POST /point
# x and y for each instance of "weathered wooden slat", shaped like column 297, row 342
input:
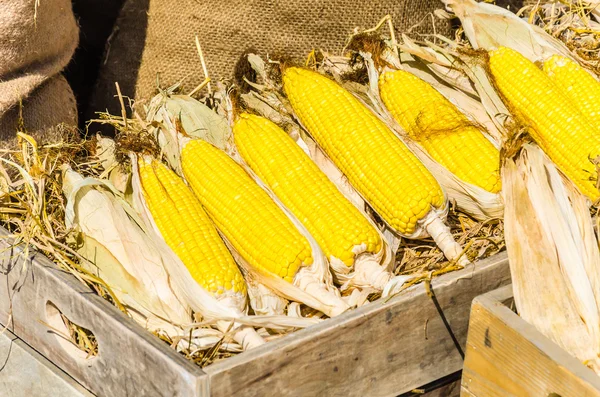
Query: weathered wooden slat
column 131, row 361
column 381, row 349
column 384, row 348
column 506, row 356
column 25, row 372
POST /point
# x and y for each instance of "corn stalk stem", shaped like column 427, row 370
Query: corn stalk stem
column 441, row 234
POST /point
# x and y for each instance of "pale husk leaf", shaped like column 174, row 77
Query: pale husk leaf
column 197, row 119
column 488, row 26
column 121, row 252
column 105, row 152
column 190, row 117
column 553, row 259
column 263, row 300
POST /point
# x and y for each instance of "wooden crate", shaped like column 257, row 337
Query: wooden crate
column 507, row 356
column 26, row 373
column 381, row 349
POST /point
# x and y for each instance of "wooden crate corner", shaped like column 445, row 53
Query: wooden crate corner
column 506, row 356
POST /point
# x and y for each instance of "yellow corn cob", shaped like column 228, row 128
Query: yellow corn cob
column 188, row 230
column 555, row 123
column 382, row 169
column 338, row 227
column 441, row 129
column 252, row 222
column 581, row 88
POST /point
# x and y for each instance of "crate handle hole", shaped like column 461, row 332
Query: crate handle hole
column 80, row 343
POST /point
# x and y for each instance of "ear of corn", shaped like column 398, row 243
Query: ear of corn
column 441, row 129
column 377, row 164
column 384, row 171
column 265, row 240
column 188, row 230
column 577, row 84
column 339, row 228
column 353, row 245
column 212, row 291
column 556, row 124
column 258, row 229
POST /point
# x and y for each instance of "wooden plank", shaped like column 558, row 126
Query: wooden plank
column 131, row 361
column 381, row 349
column 506, row 356
column 24, row 372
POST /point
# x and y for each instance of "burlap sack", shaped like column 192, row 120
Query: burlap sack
column 156, row 37
column 36, row 42
column 49, row 105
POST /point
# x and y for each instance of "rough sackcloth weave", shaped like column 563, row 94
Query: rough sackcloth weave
column 36, row 43
column 155, row 38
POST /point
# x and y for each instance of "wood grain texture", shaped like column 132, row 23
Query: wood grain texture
column 384, row 348
column 131, row 361
column 25, row 372
column 381, row 349
column 506, row 356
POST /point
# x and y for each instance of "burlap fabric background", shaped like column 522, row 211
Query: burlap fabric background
column 157, row 36
column 35, row 46
column 48, row 106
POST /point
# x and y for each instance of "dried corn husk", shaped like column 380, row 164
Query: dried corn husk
column 201, row 339
column 121, row 253
column 574, row 22
column 113, row 172
column 553, row 254
column 263, row 300
column 191, row 117
column 488, row 26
